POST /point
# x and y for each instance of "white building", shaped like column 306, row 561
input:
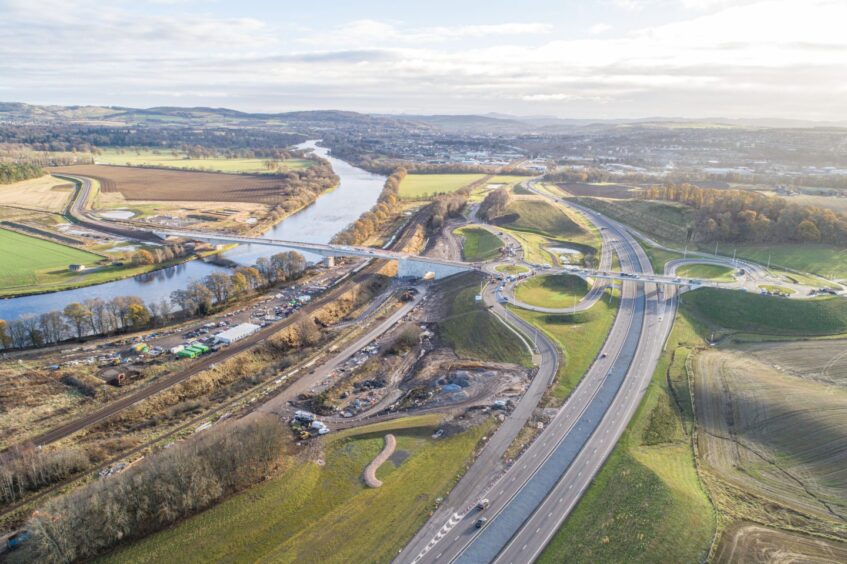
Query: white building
column 236, row 333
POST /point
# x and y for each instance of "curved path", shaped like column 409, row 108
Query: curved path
column 369, row 475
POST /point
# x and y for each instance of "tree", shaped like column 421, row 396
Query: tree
column 220, row 285
column 808, row 232
column 79, row 316
column 5, row 338
column 138, row 315
column 142, row 257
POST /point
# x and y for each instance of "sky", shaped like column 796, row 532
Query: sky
column 564, row 58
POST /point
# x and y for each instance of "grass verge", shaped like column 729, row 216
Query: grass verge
column 646, row 504
column 318, row 509
column 706, row 272
column 580, row 336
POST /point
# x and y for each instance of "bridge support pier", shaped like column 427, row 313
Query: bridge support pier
column 420, row 268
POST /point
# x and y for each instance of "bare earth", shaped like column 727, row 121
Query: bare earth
column 44, row 194
column 754, row 544
column 175, row 185
column 775, row 436
column 370, row 470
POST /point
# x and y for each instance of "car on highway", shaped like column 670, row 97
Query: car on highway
column 483, row 504
column 480, row 523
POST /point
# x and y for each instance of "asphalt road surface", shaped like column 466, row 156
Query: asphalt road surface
column 532, row 498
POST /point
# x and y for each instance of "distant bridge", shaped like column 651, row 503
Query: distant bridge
column 416, row 266
column 408, row 266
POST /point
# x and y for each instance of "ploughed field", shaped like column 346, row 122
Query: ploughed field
column 176, row 185
column 777, row 437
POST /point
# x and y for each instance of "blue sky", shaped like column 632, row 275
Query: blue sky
column 600, row 58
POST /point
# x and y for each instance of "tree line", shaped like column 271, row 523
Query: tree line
column 96, row 316
column 745, row 216
column 15, row 172
column 494, row 204
column 369, row 222
column 167, row 486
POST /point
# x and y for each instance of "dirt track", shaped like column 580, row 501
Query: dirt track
column 370, row 470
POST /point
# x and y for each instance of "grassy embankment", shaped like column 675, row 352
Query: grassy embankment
column 538, row 224
column 473, row 332
column 177, row 159
column 478, row 244
column 553, row 291
column 318, row 509
column 824, row 260
column 580, row 336
column 753, row 313
column 416, row 186
column 659, row 257
column 706, row 272
column 666, row 222
column 646, row 504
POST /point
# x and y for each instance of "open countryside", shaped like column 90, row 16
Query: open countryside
column 443, row 284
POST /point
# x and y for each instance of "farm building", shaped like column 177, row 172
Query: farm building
column 236, row 333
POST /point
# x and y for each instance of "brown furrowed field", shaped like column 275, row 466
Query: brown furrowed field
column 136, row 183
column 821, row 360
column 777, row 444
column 746, row 542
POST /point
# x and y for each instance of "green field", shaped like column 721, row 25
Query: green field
column 646, row 504
column 416, row 186
column 30, row 261
column 580, row 336
column 554, row 290
column 743, row 311
column 478, row 244
column 169, row 159
column 824, row 260
column 706, row 272
column 318, row 509
column 511, row 269
column 473, row 332
column 507, row 181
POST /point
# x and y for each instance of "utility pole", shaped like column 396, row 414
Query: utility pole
column 716, row 248
column 685, row 251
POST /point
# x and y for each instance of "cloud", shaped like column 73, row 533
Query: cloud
column 789, row 54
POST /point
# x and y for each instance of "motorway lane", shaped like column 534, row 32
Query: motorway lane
column 517, row 495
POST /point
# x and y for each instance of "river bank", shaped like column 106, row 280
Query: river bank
column 331, row 212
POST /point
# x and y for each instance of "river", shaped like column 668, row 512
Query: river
column 317, row 223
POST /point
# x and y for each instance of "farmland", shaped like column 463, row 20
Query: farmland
column 47, row 194
column 318, row 510
column 478, row 244
column 821, row 360
column 179, row 160
column 772, row 436
column 416, row 186
column 553, row 291
column 28, row 261
column 176, row 185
